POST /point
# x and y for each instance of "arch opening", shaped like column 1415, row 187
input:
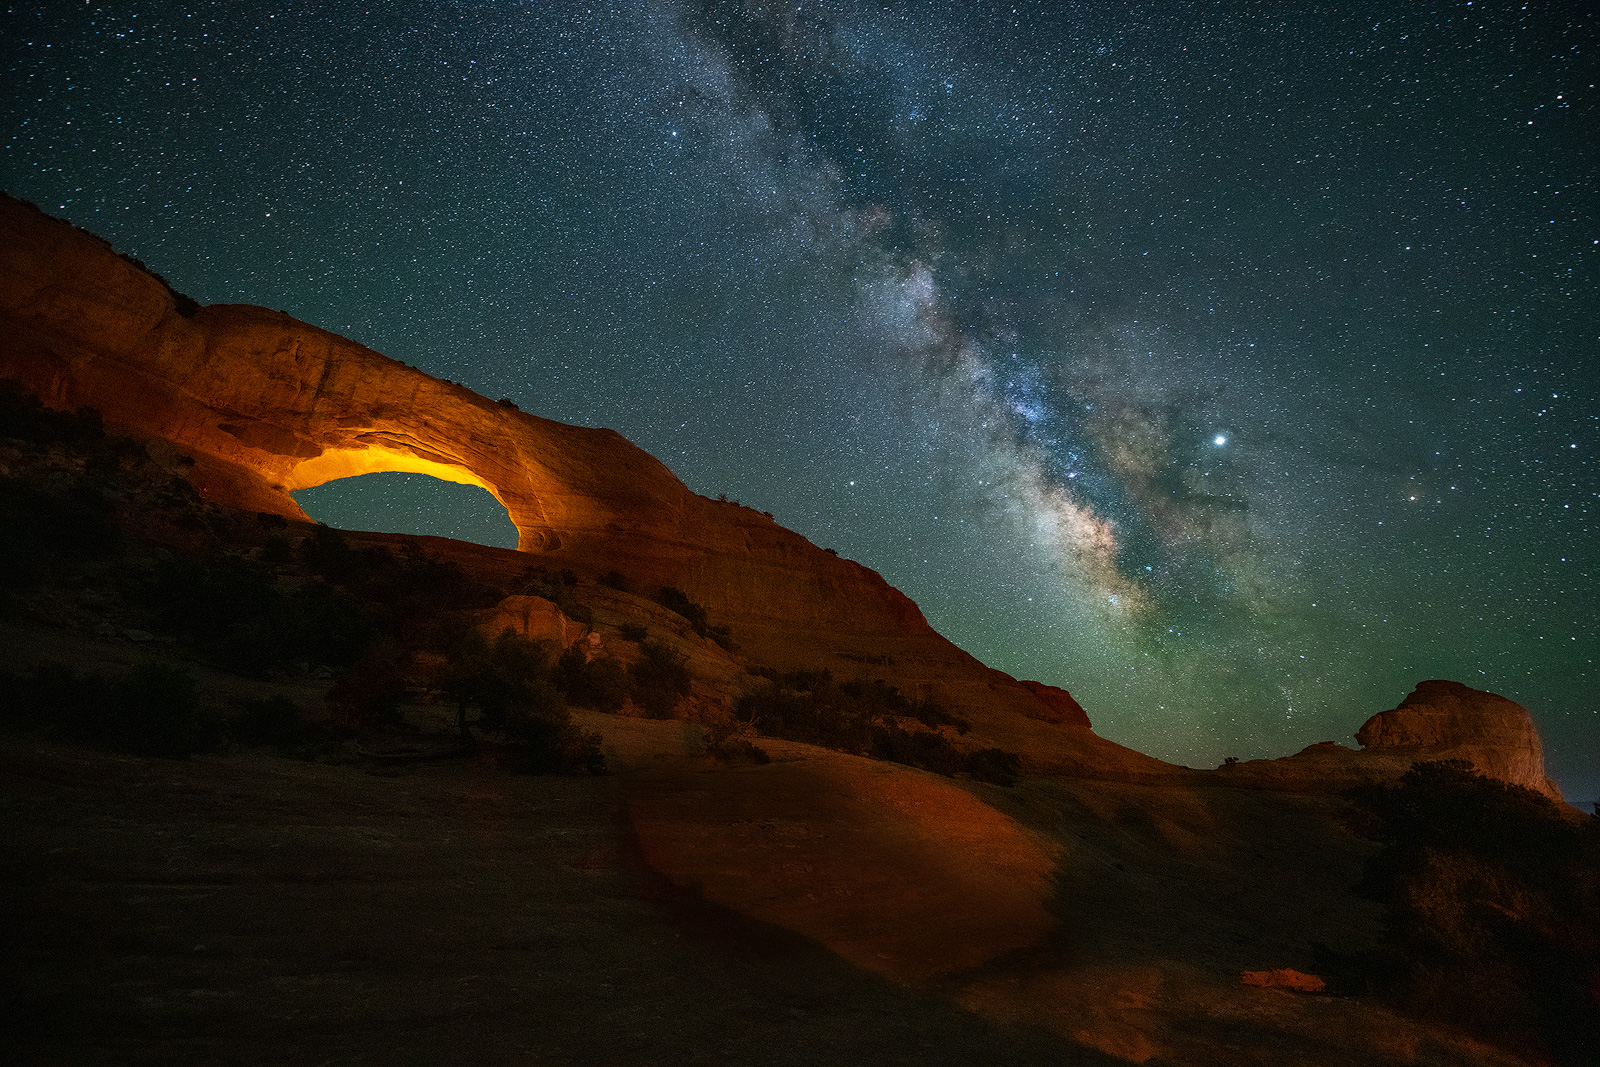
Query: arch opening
column 409, row 502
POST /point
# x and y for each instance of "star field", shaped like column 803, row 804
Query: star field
column 1233, row 365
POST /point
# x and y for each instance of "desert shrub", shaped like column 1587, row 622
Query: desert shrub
column 372, row 688
column 326, row 553
column 1491, row 898
column 278, row 723
column 864, row 718
column 915, row 748
column 736, row 749
column 325, row 626
column 807, row 706
column 677, row 600
column 509, row 682
column 600, row 683
column 632, row 631
column 58, row 700
column 542, row 582
column 20, row 562
column 616, row 580
column 658, row 680
column 69, row 522
column 416, row 585
column 544, row 738
column 994, row 765
column 276, row 550
column 501, row 679
column 161, row 713
column 556, row 587
column 154, row 711
column 23, row 416
column 235, row 614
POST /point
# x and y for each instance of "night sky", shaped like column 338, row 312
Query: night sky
column 1235, row 366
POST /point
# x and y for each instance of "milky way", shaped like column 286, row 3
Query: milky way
column 1231, row 365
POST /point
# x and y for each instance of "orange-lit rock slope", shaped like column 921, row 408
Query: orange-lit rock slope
column 267, row 405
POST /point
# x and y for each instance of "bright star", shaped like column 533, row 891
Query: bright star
column 1219, row 440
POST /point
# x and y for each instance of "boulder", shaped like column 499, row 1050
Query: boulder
column 535, row 618
column 1448, row 720
column 1439, row 720
column 1284, row 978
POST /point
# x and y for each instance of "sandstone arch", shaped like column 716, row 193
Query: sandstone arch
column 266, row 404
column 410, row 502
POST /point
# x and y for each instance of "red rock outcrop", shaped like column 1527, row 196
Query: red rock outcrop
column 268, row 405
column 535, row 618
column 1447, row 720
column 1284, row 978
column 1439, row 720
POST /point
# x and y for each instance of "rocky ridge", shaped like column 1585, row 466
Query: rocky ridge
column 266, row 405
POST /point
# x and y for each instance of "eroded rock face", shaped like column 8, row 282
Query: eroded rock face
column 1439, row 720
column 267, row 405
column 1447, row 720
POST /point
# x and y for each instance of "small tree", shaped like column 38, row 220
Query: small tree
column 371, row 689
column 660, row 679
column 600, row 684
column 677, row 600
column 495, row 678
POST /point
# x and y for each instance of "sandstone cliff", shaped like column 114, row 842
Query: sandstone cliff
column 267, row 405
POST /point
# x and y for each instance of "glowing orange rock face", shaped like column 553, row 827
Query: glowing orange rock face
column 267, row 405
column 271, row 405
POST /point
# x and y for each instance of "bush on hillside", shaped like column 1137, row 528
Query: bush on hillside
column 371, row 689
column 1491, row 896
column 278, row 723
column 600, row 684
column 677, row 600
column 864, row 718
column 155, row 710
column 509, row 682
column 659, row 680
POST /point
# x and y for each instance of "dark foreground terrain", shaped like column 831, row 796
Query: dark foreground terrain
column 248, row 909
